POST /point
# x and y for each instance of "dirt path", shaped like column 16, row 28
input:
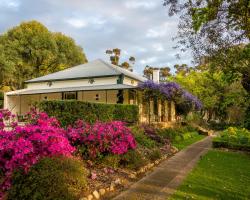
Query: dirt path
column 165, row 179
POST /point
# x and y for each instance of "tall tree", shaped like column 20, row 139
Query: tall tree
column 114, row 56
column 32, row 50
column 164, row 72
column 218, row 97
column 218, row 30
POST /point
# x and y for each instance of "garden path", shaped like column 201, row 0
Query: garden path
column 165, row 179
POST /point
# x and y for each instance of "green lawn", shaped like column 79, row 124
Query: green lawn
column 218, row 175
column 184, row 143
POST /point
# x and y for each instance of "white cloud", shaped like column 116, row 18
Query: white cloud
column 82, row 21
column 162, row 30
column 148, row 60
column 77, row 23
column 13, row 4
column 140, row 4
column 158, row 47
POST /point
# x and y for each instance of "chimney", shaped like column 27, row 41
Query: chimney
column 156, row 75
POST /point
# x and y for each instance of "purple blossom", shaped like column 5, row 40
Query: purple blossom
column 171, row 91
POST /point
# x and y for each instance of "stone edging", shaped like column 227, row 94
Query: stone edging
column 98, row 193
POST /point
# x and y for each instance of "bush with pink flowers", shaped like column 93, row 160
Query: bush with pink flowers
column 23, row 146
column 101, row 138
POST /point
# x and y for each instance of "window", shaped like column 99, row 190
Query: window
column 120, row 79
column 97, row 97
column 69, row 95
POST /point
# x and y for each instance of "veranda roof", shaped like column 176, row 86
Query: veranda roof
column 96, row 68
column 70, row 89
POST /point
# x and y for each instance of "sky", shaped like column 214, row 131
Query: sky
column 140, row 28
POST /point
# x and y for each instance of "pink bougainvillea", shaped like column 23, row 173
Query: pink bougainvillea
column 100, row 138
column 23, row 146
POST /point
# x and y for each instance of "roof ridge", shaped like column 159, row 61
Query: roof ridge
column 110, row 66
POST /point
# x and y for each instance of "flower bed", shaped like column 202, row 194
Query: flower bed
column 22, row 147
column 233, row 138
column 100, row 138
column 42, row 136
column 113, row 153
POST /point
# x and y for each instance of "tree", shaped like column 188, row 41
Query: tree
column 218, row 30
column 32, row 50
column 115, row 58
column 220, row 99
column 164, row 72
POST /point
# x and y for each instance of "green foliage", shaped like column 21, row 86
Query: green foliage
column 133, row 159
column 31, row 50
column 154, row 154
column 1, row 99
column 218, row 175
column 181, row 144
column 233, row 138
column 247, row 118
column 111, row 161
column 128, row 113
column 141, row 138
column 220, row 99
column 55, row 178
column 1, row 95
column 67, row 112
column 178, row 133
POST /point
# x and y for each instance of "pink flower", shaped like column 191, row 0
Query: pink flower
column 22, row 147
column 113, row 137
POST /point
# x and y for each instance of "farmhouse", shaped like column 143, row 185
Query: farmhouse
column 96, row 81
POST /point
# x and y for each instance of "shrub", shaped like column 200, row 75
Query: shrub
column 22, row 147
column 186, row 136
column 154, row 154
column 1, row 95
column 56, row 178
column 141, row 138
column 111, row 161
column 67, row 112
column 177, row 138
column 152, row 133
column 1, row 99
column 235, row 138
column 101, row 138
column 133, row 159
column 169, row 133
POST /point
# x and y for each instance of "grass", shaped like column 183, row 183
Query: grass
column 218, row 175
column 184, row 143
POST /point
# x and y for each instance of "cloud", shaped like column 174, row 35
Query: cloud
column 140, row 4
column 162, row 30
column 141, row 28
column 158, row 47
column 12, row 4
column 148, row 61
column 77, row 23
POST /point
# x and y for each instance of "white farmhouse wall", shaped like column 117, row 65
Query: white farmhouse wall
column 130, row 81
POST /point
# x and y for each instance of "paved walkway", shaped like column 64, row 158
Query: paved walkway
column 164, row 180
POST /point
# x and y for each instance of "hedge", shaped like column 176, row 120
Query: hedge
column 67, row 112
column 229, row 145
column 1, row 99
